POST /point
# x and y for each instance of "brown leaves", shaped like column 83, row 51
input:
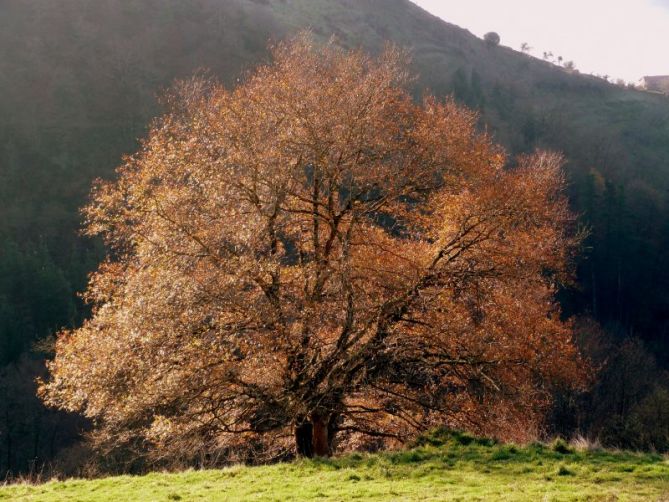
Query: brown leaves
column 315, row 244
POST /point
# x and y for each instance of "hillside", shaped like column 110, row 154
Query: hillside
column 79, row 84
column 456, row 467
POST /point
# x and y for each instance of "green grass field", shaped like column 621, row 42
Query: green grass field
column 442, row 467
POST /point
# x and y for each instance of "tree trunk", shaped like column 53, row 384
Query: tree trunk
column 303, row 439
column 320, row 440
column 312, row 438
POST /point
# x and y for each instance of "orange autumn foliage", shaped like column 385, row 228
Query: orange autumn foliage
column 312, row 259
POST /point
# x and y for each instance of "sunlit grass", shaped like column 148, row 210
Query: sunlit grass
column 443, row 466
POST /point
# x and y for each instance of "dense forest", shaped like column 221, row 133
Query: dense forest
column 81, row 81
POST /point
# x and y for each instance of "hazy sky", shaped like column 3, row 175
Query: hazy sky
column 621, row 38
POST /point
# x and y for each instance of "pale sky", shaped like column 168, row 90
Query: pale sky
column 621, row 38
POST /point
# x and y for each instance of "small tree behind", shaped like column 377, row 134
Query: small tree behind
column 314, row 259
column 492, row 39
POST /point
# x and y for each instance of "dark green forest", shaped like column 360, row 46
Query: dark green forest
column 80, row 82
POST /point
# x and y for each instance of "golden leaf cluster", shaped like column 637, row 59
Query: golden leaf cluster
column 314, row 246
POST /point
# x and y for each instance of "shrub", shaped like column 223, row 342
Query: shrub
column 492, row 39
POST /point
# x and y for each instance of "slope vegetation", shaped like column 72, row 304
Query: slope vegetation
column 79, row 82
column 444, row 467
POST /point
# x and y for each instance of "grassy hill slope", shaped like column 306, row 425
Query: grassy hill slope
column 444, row 467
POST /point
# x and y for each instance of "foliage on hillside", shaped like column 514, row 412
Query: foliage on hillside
column 79, row 81
column 314, row 254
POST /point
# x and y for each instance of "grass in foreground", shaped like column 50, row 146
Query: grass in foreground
column 444, row 466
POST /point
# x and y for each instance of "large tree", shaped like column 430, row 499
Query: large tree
column 313, row 258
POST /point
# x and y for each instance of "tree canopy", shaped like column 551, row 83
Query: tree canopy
column 492, row 39
column 313, row 260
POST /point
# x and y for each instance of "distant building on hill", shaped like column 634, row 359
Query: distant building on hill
column 659, row 83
